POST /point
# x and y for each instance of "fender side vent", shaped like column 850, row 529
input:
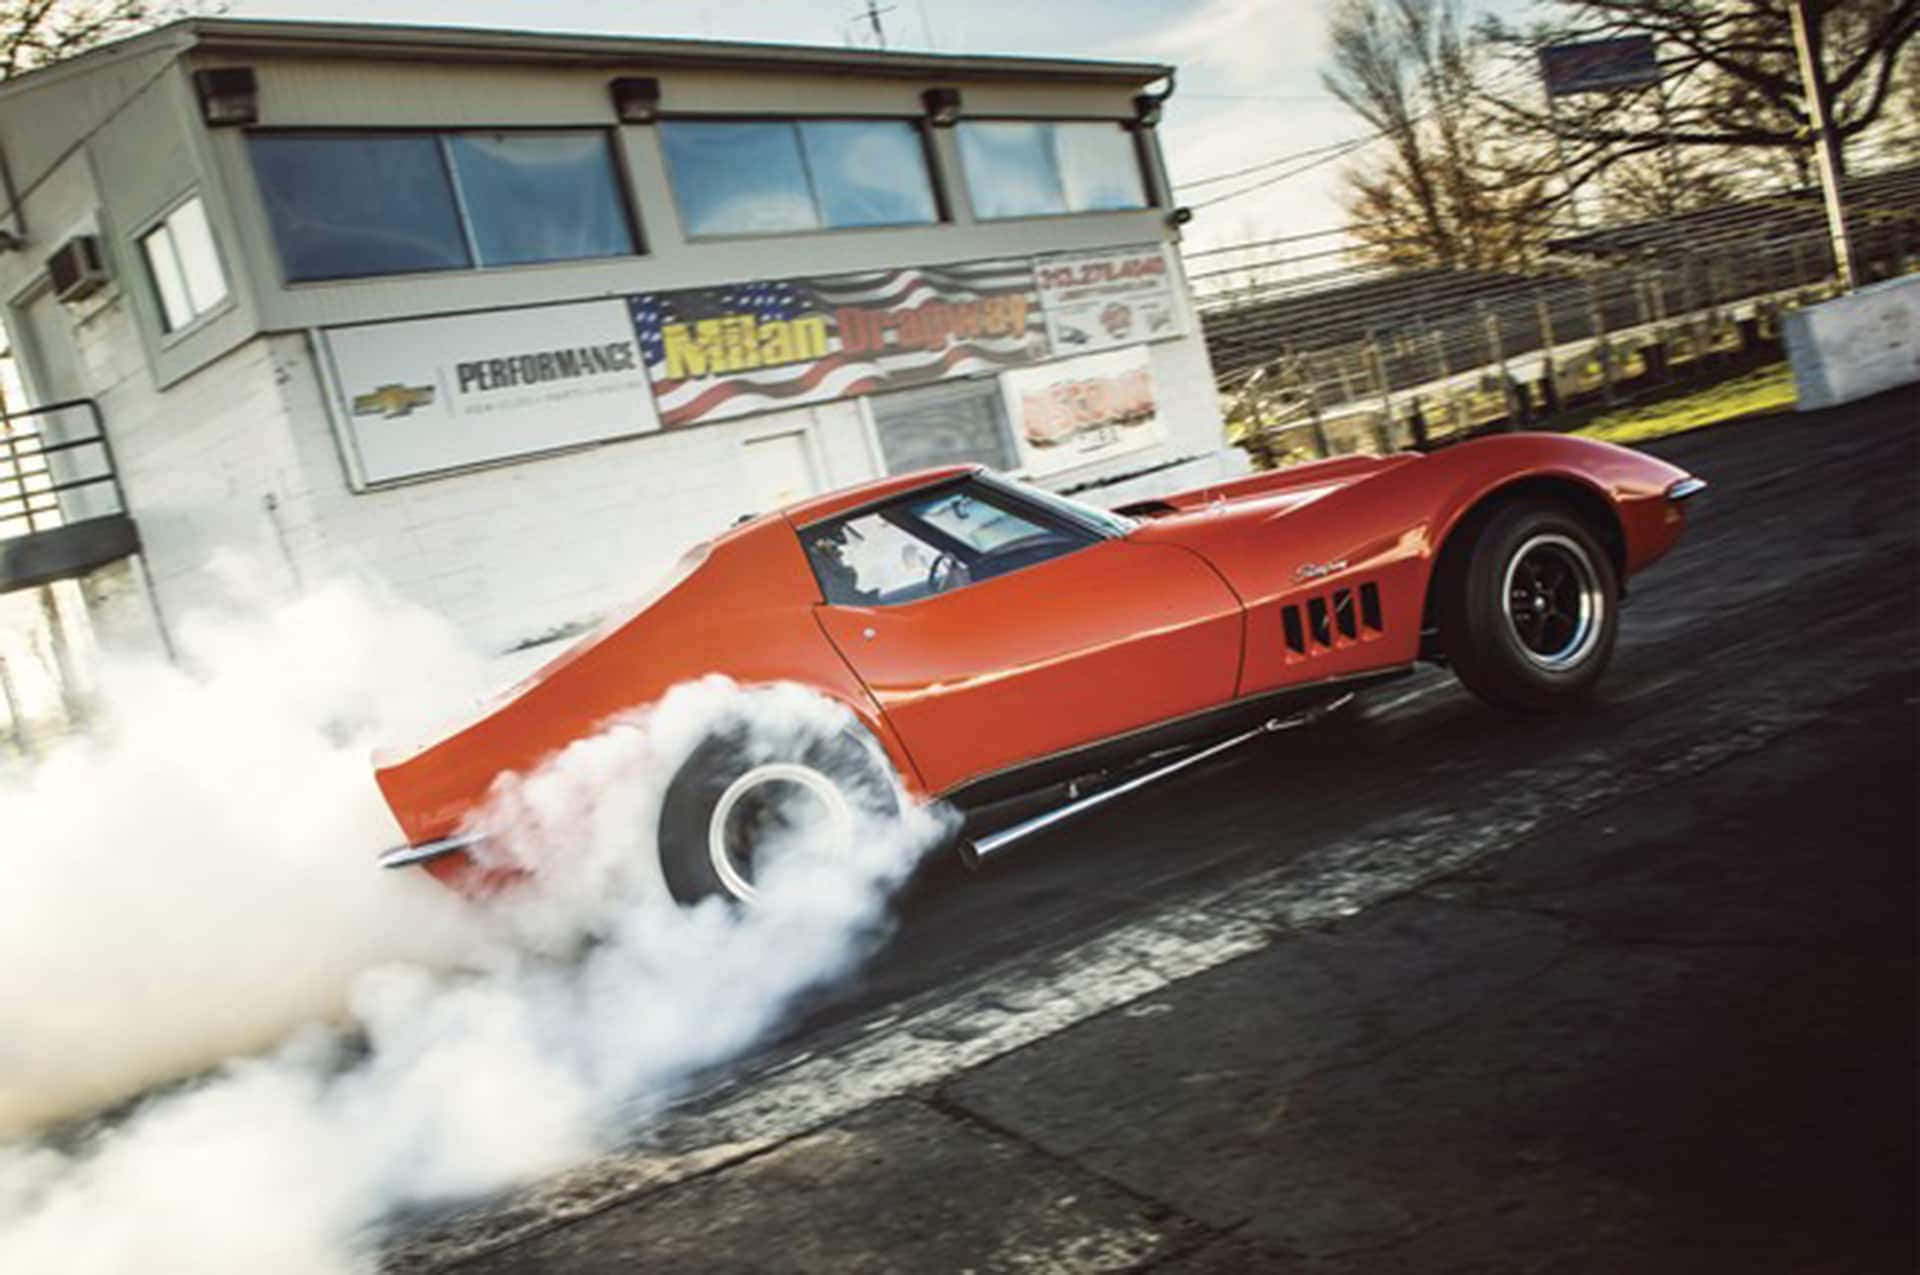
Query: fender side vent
column 1370, row 606
column 1332, row 620
column 1295, row 635
column 1343, row 613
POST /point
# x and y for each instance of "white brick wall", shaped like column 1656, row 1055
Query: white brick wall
column 196, row 462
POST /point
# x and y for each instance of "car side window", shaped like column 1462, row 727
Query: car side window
column 932, row 542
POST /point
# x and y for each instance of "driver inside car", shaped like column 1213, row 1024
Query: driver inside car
column 837, row 576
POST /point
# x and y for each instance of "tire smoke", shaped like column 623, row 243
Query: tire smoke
column 196, row 883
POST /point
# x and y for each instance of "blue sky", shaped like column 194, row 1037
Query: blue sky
column 1249, row 86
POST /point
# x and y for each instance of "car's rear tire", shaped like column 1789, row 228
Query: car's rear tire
column 736, row 797
column 1529, row 614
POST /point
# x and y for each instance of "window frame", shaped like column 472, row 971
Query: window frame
column 1007, row 498
column 923, row 134
column 160, row 223
column 609, row 134
column 1136, row 134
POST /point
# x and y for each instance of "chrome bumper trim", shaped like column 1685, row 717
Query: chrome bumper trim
column 1684, row 487
column 407, row 856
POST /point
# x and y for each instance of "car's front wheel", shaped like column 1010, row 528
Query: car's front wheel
column 1529, row 617
column 738, row 804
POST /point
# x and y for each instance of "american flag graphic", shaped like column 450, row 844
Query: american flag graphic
column 840, row 374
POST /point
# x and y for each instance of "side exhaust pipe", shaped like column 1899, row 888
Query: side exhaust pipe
column 976, row 851
column 426, row 852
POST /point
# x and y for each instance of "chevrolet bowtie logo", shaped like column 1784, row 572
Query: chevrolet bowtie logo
column 392, row 400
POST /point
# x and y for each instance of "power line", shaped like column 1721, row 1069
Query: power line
column 1499, row 81
column 1256, row 97
column 1267, row 163
column 1346, row 149
column 1268, row 243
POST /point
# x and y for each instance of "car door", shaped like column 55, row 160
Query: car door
column 994, row 633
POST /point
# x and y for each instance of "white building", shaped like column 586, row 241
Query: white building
column 509, row 319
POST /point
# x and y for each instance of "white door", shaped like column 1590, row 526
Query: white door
column 780, row 470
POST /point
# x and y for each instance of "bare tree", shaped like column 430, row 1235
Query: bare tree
column 1453, row 188
column 1729, row 81
column 36, row 32
column 1646, row 187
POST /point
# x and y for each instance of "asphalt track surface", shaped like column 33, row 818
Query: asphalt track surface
column 1630, row 989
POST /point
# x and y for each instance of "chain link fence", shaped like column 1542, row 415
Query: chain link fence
column 1317, row 362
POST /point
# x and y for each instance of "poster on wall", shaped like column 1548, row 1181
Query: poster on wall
column 716, row 353
column 1083, row 410
column 1108, row 298
column 424, row 395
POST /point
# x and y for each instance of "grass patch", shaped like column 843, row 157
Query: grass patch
column 1765, row 389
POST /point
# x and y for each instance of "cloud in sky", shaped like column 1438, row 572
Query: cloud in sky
column 1271, row 47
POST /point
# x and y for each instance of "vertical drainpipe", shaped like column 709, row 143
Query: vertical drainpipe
column 271, row 504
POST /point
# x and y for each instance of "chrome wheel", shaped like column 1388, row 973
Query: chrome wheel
column 1553, row 600
column 776, row 806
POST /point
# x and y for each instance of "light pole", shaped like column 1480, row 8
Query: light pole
column 1826, row 139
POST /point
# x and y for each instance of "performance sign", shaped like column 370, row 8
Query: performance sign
column 424, row 395
column 1083, row 410
column 1599, row 66
column 1109, row 298
column 716, row 353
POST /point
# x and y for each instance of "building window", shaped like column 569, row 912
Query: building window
column 1030, row 169
column 746, row 177
column 540, row 196
column 184, row 267
column 347, row 206
column 954, row 424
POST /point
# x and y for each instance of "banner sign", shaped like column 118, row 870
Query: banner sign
column 716, row 353
column 423, row 395
column 1082, row 410
column 1108, row 298
column 1599, row 66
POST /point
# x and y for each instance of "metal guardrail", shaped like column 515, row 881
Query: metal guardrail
column 32, row 485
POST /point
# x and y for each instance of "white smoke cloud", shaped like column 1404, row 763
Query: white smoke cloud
column 196, row 883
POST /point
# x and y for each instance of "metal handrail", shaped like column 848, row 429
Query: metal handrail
column 18, row 452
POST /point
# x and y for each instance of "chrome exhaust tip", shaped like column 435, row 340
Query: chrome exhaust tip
column 408, row 856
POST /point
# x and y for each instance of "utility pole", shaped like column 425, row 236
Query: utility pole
column 1826, row 139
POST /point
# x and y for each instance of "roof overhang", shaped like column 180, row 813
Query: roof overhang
column 239, row 37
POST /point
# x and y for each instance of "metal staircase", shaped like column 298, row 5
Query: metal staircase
column 62, row 512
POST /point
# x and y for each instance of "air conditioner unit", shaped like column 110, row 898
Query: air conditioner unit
column 77, row 269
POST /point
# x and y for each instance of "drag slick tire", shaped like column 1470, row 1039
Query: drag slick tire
column 1529, row 617
column 735, row 798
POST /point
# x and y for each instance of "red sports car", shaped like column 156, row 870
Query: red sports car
column 991, row 639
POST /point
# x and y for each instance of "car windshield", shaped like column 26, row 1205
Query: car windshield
column 1101, row 522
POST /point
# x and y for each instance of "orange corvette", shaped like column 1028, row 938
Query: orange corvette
column 991, row 639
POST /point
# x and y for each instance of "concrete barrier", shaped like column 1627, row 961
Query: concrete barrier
column 1856, row 345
